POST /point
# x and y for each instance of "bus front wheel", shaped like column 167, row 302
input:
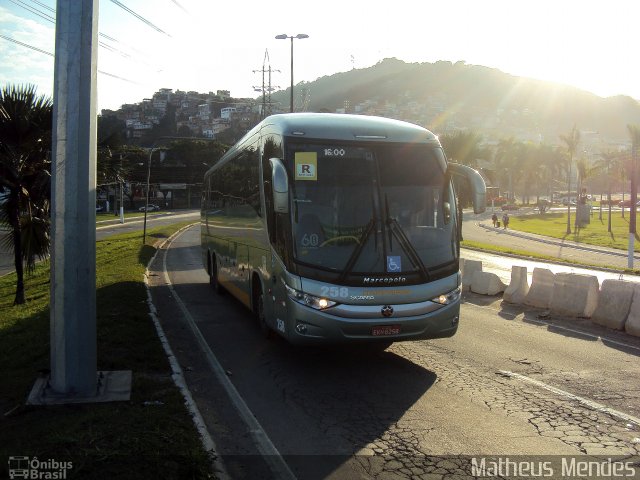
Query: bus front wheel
column 213, row 276
column 262, row 321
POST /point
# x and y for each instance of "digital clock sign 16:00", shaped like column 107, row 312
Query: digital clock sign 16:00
column 334, row 152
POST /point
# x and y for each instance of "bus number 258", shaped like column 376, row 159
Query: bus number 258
column 342, row 292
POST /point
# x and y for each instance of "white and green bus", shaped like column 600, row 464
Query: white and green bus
column 338, row 228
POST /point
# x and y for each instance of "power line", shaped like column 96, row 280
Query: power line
column 52, row 10
column 33, row 10
column 139, row 17
column 180, row 6
column 26, row 45
column 114, row 49
column 106, row 46
column 118, row 77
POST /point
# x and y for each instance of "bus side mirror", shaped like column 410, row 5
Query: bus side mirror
column 280, row 185
column 476, row 182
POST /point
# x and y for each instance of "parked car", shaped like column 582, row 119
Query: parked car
column 510, row 206
column 152, row 208
column 99, row 208
column 627, row 204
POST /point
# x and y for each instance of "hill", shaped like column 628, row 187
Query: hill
column 444, row 97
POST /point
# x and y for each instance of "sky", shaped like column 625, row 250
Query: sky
column 207, row 45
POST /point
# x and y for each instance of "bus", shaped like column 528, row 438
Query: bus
column 337, row 228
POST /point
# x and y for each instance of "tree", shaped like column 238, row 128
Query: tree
column 609, row 164
column 506, row 162
column 463, row 147
column 634, row 133
column 584, row 171
column 25, row 176
column 571, row 140
column 549, row 166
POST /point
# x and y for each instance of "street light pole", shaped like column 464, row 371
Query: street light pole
column 154, row 148
column 146, row 205
column 285, row 36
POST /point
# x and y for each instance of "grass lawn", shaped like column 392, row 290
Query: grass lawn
column 594, row 233
column 150, row 437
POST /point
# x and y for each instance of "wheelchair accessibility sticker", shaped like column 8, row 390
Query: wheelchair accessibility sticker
column 394, row 263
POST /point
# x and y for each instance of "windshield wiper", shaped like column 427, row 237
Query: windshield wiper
column 396, row 229
column 358, row 250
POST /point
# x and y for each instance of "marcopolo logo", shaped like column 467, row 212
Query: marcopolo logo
column 383, row 280
column 32, row 468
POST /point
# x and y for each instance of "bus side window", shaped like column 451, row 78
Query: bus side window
column 272, row 148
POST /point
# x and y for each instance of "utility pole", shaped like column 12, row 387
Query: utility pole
column 266, row 90
column 74, row 378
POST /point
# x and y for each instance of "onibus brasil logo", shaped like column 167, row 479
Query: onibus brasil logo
column 32, row 468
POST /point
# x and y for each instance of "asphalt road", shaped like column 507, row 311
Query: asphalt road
column 508, row 383
column 106, row 228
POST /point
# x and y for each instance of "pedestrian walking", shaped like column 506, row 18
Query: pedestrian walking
column 505, row 220
column 494, row 219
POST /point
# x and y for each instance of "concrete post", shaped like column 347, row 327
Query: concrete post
column 73, row 257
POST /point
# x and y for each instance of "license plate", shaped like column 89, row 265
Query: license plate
column 383, row 330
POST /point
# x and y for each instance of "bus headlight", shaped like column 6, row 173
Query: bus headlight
column 312, row 301
column 447, row 298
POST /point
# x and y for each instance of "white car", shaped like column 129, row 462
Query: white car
column 151, row 208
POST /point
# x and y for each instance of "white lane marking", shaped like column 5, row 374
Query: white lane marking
column 559, row 327
column 178, row 378
column 135, row 220
column 262, row 441
column 584, row 401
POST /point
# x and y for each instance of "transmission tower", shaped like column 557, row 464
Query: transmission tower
column 266, row 89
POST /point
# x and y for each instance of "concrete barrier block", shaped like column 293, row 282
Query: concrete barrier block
column 486, row 283
column 468, row 268
column 632, row 325
column 574, row 295
column 541, row 290
column 518, row 288
column 614, row 302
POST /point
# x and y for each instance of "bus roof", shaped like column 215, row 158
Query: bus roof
column 333, row 126
column 336, row 126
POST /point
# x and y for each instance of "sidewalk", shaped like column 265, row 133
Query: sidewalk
column 481, row 230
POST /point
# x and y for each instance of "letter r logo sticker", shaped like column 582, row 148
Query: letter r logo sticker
column 306, row 164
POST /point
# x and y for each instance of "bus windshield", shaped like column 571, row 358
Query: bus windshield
column 379, row 209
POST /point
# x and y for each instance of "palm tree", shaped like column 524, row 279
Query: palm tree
column 463, row 147
column 506, row 161
column 25, row 178
column 634, row 133
column 571, row 141
column 608, row 163
column 584, row 171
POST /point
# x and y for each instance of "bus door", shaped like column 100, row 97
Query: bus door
column 278, row 296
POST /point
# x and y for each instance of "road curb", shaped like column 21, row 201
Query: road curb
column 177, row 375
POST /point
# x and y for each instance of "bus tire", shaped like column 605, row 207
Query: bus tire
column 213, row 276
column 264, row 327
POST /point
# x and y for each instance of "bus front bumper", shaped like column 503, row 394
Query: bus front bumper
column 310, row 326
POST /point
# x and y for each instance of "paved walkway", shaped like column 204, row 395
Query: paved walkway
column 479, row 228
